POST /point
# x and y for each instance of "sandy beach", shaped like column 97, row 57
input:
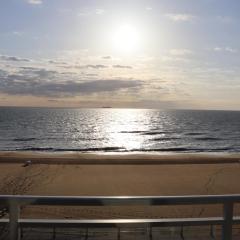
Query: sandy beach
column 75, row 174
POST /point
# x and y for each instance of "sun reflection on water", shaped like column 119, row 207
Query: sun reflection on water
column 122, row 128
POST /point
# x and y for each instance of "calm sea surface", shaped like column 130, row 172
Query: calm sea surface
column 118, row 130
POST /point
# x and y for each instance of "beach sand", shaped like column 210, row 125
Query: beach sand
column 75, row 174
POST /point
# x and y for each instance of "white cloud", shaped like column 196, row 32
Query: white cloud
column 83, row 13
column 180, row 17
column 88, row 12
column 217, row 49
column 149, row 8
column 225, row 49
column 180, row 52
column 34, row 1
column 17, row 33
column 229, row 49
column 99, row 11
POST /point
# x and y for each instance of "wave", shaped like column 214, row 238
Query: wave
column 132, row 131
column 84, row 139
column 36, row 149
column 120, row 149
column 194, row 134
column 228, row 149
column 147, row 132
column 105, row 149
column 208, row 139
column 182, row 149
column 156, row 133
column 23, row 139
column 165, row 139
column 52, row 138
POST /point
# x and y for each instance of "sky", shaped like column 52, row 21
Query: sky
column 181, row 54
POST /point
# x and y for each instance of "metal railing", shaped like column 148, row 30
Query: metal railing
column 14, row 204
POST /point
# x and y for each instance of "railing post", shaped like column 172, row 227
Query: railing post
column 227, row 223
column 13, row 220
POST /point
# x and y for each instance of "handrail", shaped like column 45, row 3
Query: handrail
column 14, row 202
column 121, row 200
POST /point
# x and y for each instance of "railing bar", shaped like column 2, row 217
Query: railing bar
column 21, row 233
column 14, row 212
column 114, row 222
column 86, row 235
column 181, row 233
column 119, row 233
column 100, row 201
column 227, row 223
column 212, row 235
column 54, row 233
column 150, row 232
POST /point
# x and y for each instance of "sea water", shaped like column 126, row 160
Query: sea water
column 118, row 130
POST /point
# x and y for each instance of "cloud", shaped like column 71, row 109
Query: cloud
column 57, row 62
column 83, row 13
column 180, row 17
column 91, row 74
column 36, row 2
column 97, row 66
column 17, row 33
column 100, row 11
column 2, row 73
column 149, row 8
column 40, row 73
column 229, row 49
column 13, row 58
column 67, row 88
column 122, row 66
column 180, row 52
column 88, row 12
column 217, row 49
column 106, row 57
column 225, row 49
column 43, row 82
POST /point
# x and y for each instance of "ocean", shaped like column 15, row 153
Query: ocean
column 118, row 130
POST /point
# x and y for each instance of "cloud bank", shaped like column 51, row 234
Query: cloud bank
column 13, row 58
column 43, row 82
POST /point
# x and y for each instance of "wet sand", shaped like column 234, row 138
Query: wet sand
column 74, row 174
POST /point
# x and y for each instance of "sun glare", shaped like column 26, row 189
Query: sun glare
column 126, row 38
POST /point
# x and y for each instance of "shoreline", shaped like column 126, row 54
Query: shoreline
column 79, row 158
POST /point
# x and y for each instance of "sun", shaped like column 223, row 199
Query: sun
column 126, row 38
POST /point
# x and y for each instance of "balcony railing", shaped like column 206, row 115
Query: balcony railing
column 13, row 205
